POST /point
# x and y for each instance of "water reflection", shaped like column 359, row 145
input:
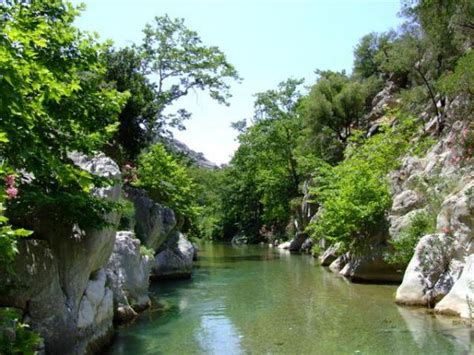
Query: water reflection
column 253, row 299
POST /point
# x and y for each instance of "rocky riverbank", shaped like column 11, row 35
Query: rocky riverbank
column 73, row 285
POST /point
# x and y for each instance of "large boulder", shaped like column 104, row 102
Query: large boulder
column 426, row 278
column 372, row 268
column 337, row 265
column 297, row 241
column 175, row 260
column 330, row 255
column 440, row 258
column 128, row 272
column 460, row 299
column 154, row 222
column 59, row 283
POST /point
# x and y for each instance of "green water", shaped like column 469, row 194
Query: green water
column 256, row 300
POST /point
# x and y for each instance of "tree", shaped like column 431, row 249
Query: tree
column 263, row 175
column 175, row 56
column 167, row 182
column 140, row 113
column 335, row 105
column 53, row 101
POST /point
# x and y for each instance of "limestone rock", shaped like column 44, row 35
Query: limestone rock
column 175, row 260
column 95, row 312
column 371, row 268
column 337, row 265
column 330, row 255
column 59, row 281
column 460, row 299
column 129, row 273
column 406, row 201
column 284, row 245
column 154, row 222
column 430, row 262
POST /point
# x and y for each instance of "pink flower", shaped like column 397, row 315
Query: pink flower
column 10, row 180
column 12, row 192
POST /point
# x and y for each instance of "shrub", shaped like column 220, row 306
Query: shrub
column 421, row 224
column 354, row 194
column 15, row 336
column 167, row 181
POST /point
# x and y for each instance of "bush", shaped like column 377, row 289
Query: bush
column 127, row 219
column 354, row 194
column 16, row 337
column 167, row 182
column 421, row 224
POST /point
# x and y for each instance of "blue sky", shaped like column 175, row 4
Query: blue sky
column 267, row 41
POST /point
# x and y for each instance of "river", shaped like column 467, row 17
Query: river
column 258, row 300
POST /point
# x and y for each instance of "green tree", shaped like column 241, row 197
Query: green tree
column 53, row 101
column 167, row 182
column 140, row 113
column 333, row 109
column 263, row 175
column 354, row 194
column 175, row 56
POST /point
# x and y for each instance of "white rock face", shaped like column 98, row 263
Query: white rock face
column 129, row 274
column 96, row 307
column 460, row 299
column 61, row 282
column 423, row 283
column 285, row 245
column 154, row 222
column 176, row 260
column 405, row 201
column 441, row 268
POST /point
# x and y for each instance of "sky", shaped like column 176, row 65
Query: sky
column 268, row 41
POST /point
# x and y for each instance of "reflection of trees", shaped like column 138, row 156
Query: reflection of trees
column 257, row 300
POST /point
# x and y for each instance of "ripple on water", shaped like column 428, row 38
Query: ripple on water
column 254, row 300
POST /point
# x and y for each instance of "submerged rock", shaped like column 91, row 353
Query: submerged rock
column 129, row 272
column 175, row 261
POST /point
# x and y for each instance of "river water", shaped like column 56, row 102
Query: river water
column 257, row 300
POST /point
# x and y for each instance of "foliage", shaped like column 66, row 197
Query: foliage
column 335, row 102
column 461, row 81
column 209, row 196
column 148, row 252
column 263, row 176
column 167, row 181
column 15, row 336
column 53, row 101
column 170, row 62
column 354, row 194
column 127, row 219
column 179, row 62
column 421, row 224
column 369, row 52
column 124, row 70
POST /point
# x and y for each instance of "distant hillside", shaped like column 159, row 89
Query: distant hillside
column 196, row 157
